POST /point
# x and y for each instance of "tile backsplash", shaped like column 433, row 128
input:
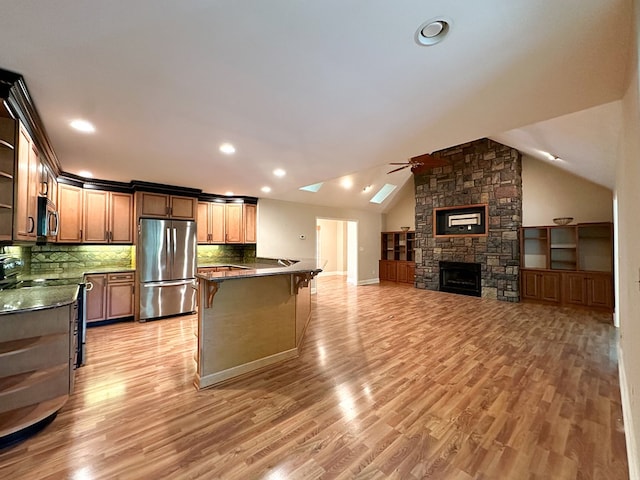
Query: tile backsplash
column 226, row 254
column 56, row 258
column 61, row 258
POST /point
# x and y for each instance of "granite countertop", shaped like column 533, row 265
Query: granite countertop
column 72, row 275
column 36, row 298
column 258, row 269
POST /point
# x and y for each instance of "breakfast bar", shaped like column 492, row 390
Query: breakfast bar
column 250, row 317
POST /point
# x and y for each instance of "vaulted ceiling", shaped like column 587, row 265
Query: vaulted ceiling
column 324, row 90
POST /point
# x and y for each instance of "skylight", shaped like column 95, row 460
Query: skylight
column 383, row 193
column 312, row 188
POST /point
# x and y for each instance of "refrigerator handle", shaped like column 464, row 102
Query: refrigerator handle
column 169, row 248
column 173, row 252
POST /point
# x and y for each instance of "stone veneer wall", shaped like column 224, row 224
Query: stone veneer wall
column 480, row 172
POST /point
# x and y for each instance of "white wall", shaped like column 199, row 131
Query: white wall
column 402, row 212
column 333, row 248
column 549, row 192
column 628, row 259
column 280, row 225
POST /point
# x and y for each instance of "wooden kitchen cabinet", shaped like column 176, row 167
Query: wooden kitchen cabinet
column 110, row 296
column 211, row 222
column 234, row 223
column 48, row 183
column 96, row 307
column 108, row 217
column 27, row 188
column 70, row 199
column 249, row 212
column 240, row 223
column 120, row 298
column 160, row 205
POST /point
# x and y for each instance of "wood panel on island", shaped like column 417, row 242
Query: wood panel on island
column 250, row 320
column 568, row 265
column 397, row 262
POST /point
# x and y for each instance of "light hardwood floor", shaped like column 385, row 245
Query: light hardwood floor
column 393, row 382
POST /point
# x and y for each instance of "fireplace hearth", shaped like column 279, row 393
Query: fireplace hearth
column 461, row 277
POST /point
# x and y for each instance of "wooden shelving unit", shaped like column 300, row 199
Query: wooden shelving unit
column 7, row 173
column 568, row 265
column 397, row 255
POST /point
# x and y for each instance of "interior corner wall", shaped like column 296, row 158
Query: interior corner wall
column 403, row 210
column 549, row 192
column 281, row 223
column 627, row 232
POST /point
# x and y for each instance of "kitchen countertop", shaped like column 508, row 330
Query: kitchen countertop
column 73, row 275
column 258, row 269
column 41, row 294
column 36, row 298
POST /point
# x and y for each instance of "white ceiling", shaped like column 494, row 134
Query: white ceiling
column 323, row 89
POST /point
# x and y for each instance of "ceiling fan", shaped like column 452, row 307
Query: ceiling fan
column 425, row 160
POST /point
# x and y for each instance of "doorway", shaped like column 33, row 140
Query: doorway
column 337, row 248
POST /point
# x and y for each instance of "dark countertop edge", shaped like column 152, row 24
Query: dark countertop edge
column 303, row 266
column 74, row 274
column 36, row 298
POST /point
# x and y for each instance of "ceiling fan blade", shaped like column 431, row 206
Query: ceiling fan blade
column 396, row 169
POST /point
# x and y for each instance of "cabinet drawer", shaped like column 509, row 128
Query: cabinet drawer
column 120, row 277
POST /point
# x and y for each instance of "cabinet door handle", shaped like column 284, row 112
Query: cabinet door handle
column 88, row 286
column 45, row 191
column 80, row 234
column 32, row 225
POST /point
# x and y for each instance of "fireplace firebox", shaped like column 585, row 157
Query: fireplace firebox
column 461, row 277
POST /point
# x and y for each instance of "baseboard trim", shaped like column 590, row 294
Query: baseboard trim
column 629, row 431
column 246, row 368
column 369, row 281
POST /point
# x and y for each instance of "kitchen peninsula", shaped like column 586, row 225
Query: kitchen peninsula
column 250, row 316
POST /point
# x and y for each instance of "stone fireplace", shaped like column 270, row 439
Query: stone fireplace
column 479, row 172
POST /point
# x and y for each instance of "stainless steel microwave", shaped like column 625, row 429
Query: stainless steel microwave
column 48, row 219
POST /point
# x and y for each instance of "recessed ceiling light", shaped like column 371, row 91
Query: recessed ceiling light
column 82, row 126
column 346, row 183
column 229, row 194
column 227, row 148
column 278, row 172
column 432, row 31
column 85, row 173
column 266, row 189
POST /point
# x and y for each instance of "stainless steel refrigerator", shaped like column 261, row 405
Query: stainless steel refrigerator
column 166, row 267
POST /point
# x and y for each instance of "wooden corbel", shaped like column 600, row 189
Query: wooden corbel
column 302, row 279
column 212, row 289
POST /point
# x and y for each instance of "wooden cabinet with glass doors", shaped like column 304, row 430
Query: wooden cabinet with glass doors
column 568, row 265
